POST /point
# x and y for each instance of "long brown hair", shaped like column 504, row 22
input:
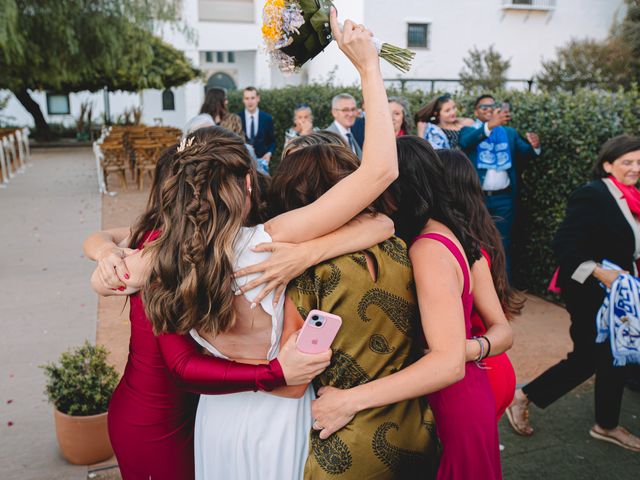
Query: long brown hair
column 149, row 220
column 467, row 197
column 215, row 103
column 431, row 111
column 310, row 166
column 201, row 210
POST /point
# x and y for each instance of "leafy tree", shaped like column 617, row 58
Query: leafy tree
column 598, row 64
column 73, row 45
column 586, row 64
column 627, row 36
column 484, row 70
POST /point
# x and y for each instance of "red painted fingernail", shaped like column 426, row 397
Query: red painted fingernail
column 121, row 289
column 114, row 289
column 126, row 276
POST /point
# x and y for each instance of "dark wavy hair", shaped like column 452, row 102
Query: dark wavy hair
column 464, row 186
column 421, row 194
column 310, row 166
column 612, row 150
column 431, row 111
column 149, row 220
column 201, row 209
column 214, row 103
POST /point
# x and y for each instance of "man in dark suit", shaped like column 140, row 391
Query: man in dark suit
column 358, row 127
column 498, row 152
column 257, row 125
column 344, row 111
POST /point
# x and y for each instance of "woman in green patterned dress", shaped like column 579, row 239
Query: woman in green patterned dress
column 374, row 293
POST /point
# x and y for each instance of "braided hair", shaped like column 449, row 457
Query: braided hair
column 203, row 204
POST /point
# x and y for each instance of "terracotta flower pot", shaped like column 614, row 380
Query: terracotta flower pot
column 83, row 440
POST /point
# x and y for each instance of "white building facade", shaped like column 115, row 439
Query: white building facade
column 225, row 43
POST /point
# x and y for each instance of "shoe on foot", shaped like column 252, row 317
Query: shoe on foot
column 619, row 436
column 518, row 414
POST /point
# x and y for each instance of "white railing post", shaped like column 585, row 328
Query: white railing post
column 3, row 166
column 9, row 156
column 21, row 152
column 27, row 148
column 102, row 187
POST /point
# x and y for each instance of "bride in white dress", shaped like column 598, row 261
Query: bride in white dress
column 251, row 435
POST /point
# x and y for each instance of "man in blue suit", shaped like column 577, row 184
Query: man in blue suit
column 498, row 152
column 257, row 125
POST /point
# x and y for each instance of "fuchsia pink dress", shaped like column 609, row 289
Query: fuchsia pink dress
column 152, row 411
column 465, row 411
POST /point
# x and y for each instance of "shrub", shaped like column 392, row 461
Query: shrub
column 82, row 382
column 484, row 70
column 587, row 64
column 572, row 127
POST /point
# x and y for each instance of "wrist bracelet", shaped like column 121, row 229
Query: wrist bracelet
column 481, row 355
column 488, row 345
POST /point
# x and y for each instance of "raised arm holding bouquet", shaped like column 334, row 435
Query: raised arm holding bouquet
column 295, row 31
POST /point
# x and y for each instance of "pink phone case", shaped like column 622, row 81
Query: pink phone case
column 316, row 339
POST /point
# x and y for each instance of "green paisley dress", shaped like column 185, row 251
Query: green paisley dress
column 380, row 322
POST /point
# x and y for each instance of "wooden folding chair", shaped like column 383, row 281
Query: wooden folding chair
column 114, row 159
column 146, row 154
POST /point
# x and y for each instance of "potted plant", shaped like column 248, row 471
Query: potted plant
column 84, row 120
column 80, row 386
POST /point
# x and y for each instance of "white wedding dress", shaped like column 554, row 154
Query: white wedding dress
column 252, row 435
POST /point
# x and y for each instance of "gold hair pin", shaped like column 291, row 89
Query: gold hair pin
column 184, row 144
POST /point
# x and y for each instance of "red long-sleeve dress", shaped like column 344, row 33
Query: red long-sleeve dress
column 152, row 411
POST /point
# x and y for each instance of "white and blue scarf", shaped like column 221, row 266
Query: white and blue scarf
column 493, row 153
column 436, row 137
column 619, row 318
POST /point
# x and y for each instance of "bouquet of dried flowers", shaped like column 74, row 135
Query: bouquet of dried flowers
column 295, row 31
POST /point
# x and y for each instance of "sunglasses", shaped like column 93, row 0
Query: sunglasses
column 487, row 107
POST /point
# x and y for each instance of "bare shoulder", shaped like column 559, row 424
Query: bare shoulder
column 433, row 256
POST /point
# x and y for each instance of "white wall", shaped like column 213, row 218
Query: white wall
column 119, row 101
column 458, row 25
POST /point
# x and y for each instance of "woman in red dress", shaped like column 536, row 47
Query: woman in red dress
column 152, row 411
column 487, row 318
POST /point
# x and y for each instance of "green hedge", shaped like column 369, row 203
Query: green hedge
column 572, row 127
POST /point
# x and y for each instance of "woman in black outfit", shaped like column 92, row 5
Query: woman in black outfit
column 601, row 223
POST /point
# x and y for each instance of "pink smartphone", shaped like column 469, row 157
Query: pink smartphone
column 318, row 332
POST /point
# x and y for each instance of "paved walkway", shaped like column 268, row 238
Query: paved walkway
column 561, row 448
column 46, row 305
